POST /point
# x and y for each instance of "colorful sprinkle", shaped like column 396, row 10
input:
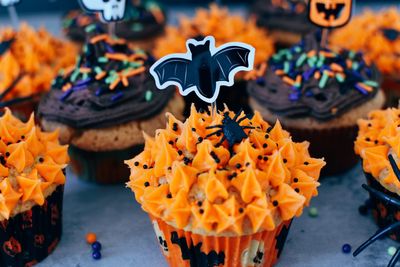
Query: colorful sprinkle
column 346, row 248
column 313, row 212
column 148, row 95
column 91, row 238
column 391, row 250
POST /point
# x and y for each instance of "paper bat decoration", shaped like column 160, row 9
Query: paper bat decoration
column 110, row 10
column 204, row 68
column 330, row 13
column 9, row 2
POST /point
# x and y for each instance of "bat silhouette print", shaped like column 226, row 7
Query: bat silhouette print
column 204, row 68
column 110, row 10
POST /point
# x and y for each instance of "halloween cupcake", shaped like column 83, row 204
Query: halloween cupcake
column 378, row 146
column 31, row 191
column 318, row 94
column 142, row 25
column 379, row 41
column 29, row 60
column 102, row 105
column 222, row 189
column 225, row 27
column 286, row 20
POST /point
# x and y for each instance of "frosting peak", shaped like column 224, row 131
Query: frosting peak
column 194, row 179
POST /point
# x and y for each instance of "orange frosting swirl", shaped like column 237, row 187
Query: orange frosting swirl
column 186, row 179
column 221, row 24
column 36, row 56
column 379, row 137
column 31, row 162
column 365, row 33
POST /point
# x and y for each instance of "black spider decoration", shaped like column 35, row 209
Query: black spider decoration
column 385, row 230
column 231, row 129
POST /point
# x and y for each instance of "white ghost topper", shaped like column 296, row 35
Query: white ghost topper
column 110, row 10
column 9, row 2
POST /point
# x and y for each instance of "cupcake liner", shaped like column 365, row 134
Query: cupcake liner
column 31, row 236
column 383, row 213
column 183, row 248
column 336, row 145
column 391, row 87
column 102, row 167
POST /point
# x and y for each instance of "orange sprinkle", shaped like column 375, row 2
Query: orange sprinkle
column 91, row 238
column 135, row 72
column 349, row 63
column 327, row 54
column 262, row 69
column 336, row 67
column 311, row 53
column 85, row 70
column 66, row 87
column 117, row 56
column 125, row 81
column 101, row 75
column 137, row 56
column 366, row 87
column 317, row 75
column 158, row 15
column 98, row 38
column 68, row 70
column 298, row 79
column 287, row 80
column 115, row 83
column 279, row 72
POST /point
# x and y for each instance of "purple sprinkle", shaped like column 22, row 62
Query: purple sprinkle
column 79, row 87
column 362, row 90
column 83, row 82
column 368, row 72
column 117, row 96
column 260, row 81
column 66, row 94
column 109, row 49
column 358, row 75
column 294, row 88
column 294, row 97
column 307, row 74
column 99, row 92
column 309, row 93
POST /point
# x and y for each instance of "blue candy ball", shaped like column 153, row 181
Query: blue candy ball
column 96, row 255
column 96, row 246
column 346, row 248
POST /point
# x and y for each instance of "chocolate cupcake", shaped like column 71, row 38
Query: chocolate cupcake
column 286, row 20
column 379, row 40
column 223, row 189
column 102, row 105
column 214, row 22
column 29, row 60
column 318, row 95
column 31, row 191
column 75, row 22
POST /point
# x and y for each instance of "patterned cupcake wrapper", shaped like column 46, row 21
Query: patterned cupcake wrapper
column 383, row 213
column 102, row 167
column 325, row 143
column 186, row 249
column 31, row 236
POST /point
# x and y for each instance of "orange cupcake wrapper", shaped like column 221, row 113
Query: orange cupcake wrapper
column 186, row 249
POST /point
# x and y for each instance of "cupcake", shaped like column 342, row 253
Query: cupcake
column 379, row 41
column 142, row 25
column 32, row 180
column 225, row 27
column 318, row 95
column 223, row 190
column 102, row 105
column 29, row 60
column 286, row 20
column 377, row 145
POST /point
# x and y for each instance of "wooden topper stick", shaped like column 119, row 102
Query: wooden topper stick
column 12, row 12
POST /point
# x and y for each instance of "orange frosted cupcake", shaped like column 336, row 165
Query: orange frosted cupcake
column 29, row 60
column 225, row 27
column 378, row 144
column 32, row 179
column 379, row 39
column 223, row 196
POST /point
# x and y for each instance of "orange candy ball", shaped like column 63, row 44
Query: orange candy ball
column 91, row 238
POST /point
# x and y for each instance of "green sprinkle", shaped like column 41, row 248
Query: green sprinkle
column 339, row 78
column 276, row 57
column 313, row 212
column 67, row 22
column 90, row 28
column 108, row 80
column 75, row 75
column 301, row 60
column 297, row 49
column 85, row 76
column 351, row 54
column 323, row 80
column 148, row 96
column 102, row 59
column 371, row 83
column 391, row 250
column 297, row 85
column 286, row 67
column 355, row 65
column 137, row 27
column 135, row 65
column 85, row 49
column 98, row 70
column 128, row 70
column 311, row 62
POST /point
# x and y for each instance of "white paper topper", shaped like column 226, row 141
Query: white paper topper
column 110, row 10
column 9, row 2
column 204, row 68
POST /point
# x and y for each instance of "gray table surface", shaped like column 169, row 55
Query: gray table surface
column 127, row 235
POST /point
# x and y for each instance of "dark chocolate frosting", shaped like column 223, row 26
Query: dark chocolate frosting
column 307, row 80
column 109, row 85
column 288, row 15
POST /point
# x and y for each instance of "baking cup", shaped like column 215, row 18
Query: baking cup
column 31, row 236
column 391, row 87
column 383, row 214
column 182, row 248
column 102, row 167
column 336, row 145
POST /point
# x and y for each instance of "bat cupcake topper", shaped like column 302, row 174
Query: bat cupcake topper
column 204, row 68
